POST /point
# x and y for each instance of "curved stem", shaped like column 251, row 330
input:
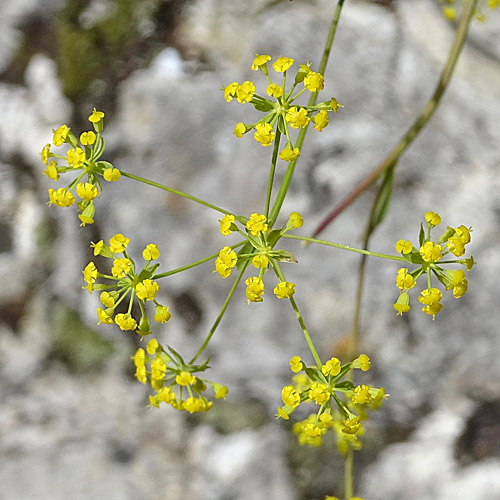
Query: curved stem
column 312, row 348
column 221, row 314
column 426, row 114
column 287, row 179
column 193, row 264
column 181, row 193
column 345, row 247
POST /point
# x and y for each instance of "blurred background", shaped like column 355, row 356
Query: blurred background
column 74, row 422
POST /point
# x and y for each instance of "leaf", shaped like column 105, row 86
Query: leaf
column 421, row 236
column 346, row 384
column 273, row 236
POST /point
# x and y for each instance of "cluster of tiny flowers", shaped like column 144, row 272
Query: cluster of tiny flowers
column 281, row 112
column 323, row 386
column 172, row 380
column 83, row 156
column 127, row 283
column 452, row 7
column 260, row 250
column 429, row 260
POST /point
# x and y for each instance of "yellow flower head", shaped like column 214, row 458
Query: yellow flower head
column 314, row 82
column 264, row 134
column 87, row 138
column 320, row 120
column 51, row 171
column 331, row 367
column 62, row 197
column 161, row 314
column 282, row 64
column 185, row 378
column 274, row 90
column 289, row 154
column 259, row 61
column 151, row 252
column 431, row 252
column 257, row 224
column 45, row 154
column 296, row 219
column 125, row 322
column 230, row 91
column 104, row 317
column 121, row 267
column 60, row 135
column 363, row 362
column 255, row 289
column 319, row 393
column 118, row 243
column 76, row 157
column 86, row 191
column 290, row 396
column 404, row 280
column 107, row 299
column 245, row 92
column 96, row 116
column 260, row 261
column 240, row 130
column 297, row 117
column 111, row 174
column 225, row 224
column 147, row 289
column 361, row 395
column 433, row 218
column 284, row 290
column 404, row 247
column 296, row 364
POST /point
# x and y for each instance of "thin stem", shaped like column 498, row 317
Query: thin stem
column 194, row 264
column 393, row 157
column 221, row 314
column 181, row 193
column 345, row 247
column 348, row 474
column 273, row 170
column 287, row 179
column 308, row 338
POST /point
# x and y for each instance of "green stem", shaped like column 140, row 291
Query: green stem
column 348, row 474
column 181, row 193
column 287, row 179
column 312, row 348
column 393, row 157
column 194, row 264
column 221, row 314
column 273, row 170
column 345, row 247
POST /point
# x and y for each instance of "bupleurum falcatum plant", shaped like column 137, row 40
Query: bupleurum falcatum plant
column 280, row 119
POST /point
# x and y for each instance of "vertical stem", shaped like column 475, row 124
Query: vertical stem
column 348, row 475
column 273, row 169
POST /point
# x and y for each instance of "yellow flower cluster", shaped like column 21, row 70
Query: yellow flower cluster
column 173, row 380
column 128, row 283
column 452, row 241
column 282, row 112
column 82, row 156
column 260, row 250
column 323, row 387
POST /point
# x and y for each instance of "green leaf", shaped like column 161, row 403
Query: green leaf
column 281, row 125
column 272, row 237
column 346, row 384
column 421, row 236
column 315, row 375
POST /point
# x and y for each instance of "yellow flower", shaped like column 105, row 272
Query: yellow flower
column 62, row 197
column 274, row 90
column 352, row 426
column 76, row 157
column 60, row 135
column 125, row 322
column 314, row 82
column 296, row 219
column 296, row 364
column 220, row 390
column 257, row 224
column 290, row 396
column 430, row 299
column 96, row 116
column 161, row 314
column 151, row 252
column 107, row 299
column 404, row 280
column 259, row 61
column 363, row 362
column 121, row 267
column 104, row 317
column 87, row 138
column 290, row 154
column 51, row 171
column 230, row 91
column 245, row 92
column 320, row 120
column 152, row 346
column 147, row 289
column 319, row 393
column 282, row 64
column 284, row 290
column 431, row 252
column 264, row 134
column 260, row 261
column 404, row 247
column 335, row 105
column 45, row 153
column 86, row 191
column 118, row 243
column 255, row 289
column 240, row 130
column 185, row 378
column 403, row 303
column 331, row 367
column 193, row 405
column 433, row 218
column 225, row 224
column 111, row 174
column 297, row 117
column 361, row 395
